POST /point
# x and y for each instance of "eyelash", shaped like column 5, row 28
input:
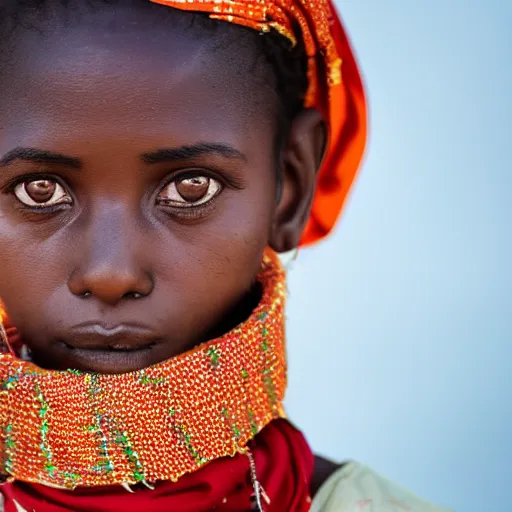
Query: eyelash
column 200, row 210
column 224, row 179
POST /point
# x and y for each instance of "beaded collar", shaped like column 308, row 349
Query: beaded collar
column 69, row 429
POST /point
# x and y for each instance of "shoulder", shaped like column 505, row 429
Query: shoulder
column 356, row 488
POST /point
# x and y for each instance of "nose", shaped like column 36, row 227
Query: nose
column 110, row 268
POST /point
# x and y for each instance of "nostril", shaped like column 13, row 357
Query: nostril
column 133, row 295
column 128, row 295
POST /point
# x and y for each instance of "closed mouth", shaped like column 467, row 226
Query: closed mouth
column 120, row 338
column 120, row 349
column 113, row 347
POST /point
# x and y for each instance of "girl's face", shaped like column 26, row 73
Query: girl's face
column 138, row 191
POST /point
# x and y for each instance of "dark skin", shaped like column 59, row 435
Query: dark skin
column 139, row 192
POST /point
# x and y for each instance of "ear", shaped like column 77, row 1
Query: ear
column 300, row 160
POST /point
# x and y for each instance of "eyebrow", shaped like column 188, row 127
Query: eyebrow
column 193, row 151
column 161, row 155
column 39, row 156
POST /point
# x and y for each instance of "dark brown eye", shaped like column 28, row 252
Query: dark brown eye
column 40, row 193
column 191, row 191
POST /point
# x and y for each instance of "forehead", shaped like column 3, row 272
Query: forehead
column 123, row 73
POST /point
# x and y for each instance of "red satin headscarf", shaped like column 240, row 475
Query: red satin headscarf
column 284, row 466
column 344, row 107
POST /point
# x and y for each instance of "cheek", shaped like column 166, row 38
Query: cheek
column 213, row 264
column 237, row 230
column 32, row 267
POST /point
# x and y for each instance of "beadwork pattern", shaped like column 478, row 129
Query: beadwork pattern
column 311, row 18
column 69, row 429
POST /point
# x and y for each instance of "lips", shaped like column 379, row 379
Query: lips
column 123, row 338
column 94, row 347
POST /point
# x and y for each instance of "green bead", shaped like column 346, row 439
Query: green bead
column 138, row 476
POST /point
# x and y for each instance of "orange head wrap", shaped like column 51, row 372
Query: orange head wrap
column 335, row 87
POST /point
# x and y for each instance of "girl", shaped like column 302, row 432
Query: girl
column 154, row 158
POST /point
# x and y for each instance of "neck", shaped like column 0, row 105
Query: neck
column 238, row 315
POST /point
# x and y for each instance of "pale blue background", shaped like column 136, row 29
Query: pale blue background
column 400, row 324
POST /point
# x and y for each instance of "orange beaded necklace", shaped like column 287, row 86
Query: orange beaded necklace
column 69, row 429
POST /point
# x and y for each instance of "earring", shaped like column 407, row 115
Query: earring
column 289, row 258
